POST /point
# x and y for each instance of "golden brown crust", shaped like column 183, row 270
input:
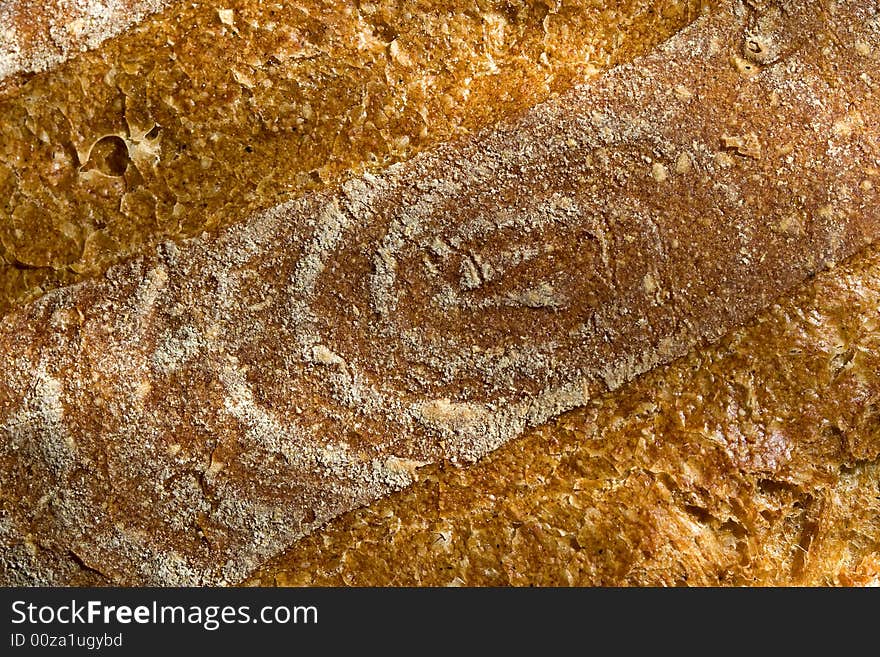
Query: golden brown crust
column 523, row 50
column 154, row 136
column 38, row 34
column 198, row 409
column 750, row 462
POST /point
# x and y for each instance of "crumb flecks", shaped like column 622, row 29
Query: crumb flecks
column 300, row 442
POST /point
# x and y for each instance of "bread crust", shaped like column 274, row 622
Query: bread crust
column 749, row 462
column 198, row 409
column 36, row 35
column 154, row 137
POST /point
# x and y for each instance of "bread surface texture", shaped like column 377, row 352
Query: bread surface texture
column 208, row 112
column 36, row 35
column 751, row 462
column 198, row 409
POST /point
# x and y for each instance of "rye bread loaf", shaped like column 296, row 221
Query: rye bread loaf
column 197, row 409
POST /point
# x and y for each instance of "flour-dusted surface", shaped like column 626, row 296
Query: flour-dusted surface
column 38, row 34
column 154, row 137
column 753, row 461
column 200, row 409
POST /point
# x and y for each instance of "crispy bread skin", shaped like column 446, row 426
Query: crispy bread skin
column 38, row 34
column 211, row 111
column 105, row 155
column 187, row 416
column 750, row 462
